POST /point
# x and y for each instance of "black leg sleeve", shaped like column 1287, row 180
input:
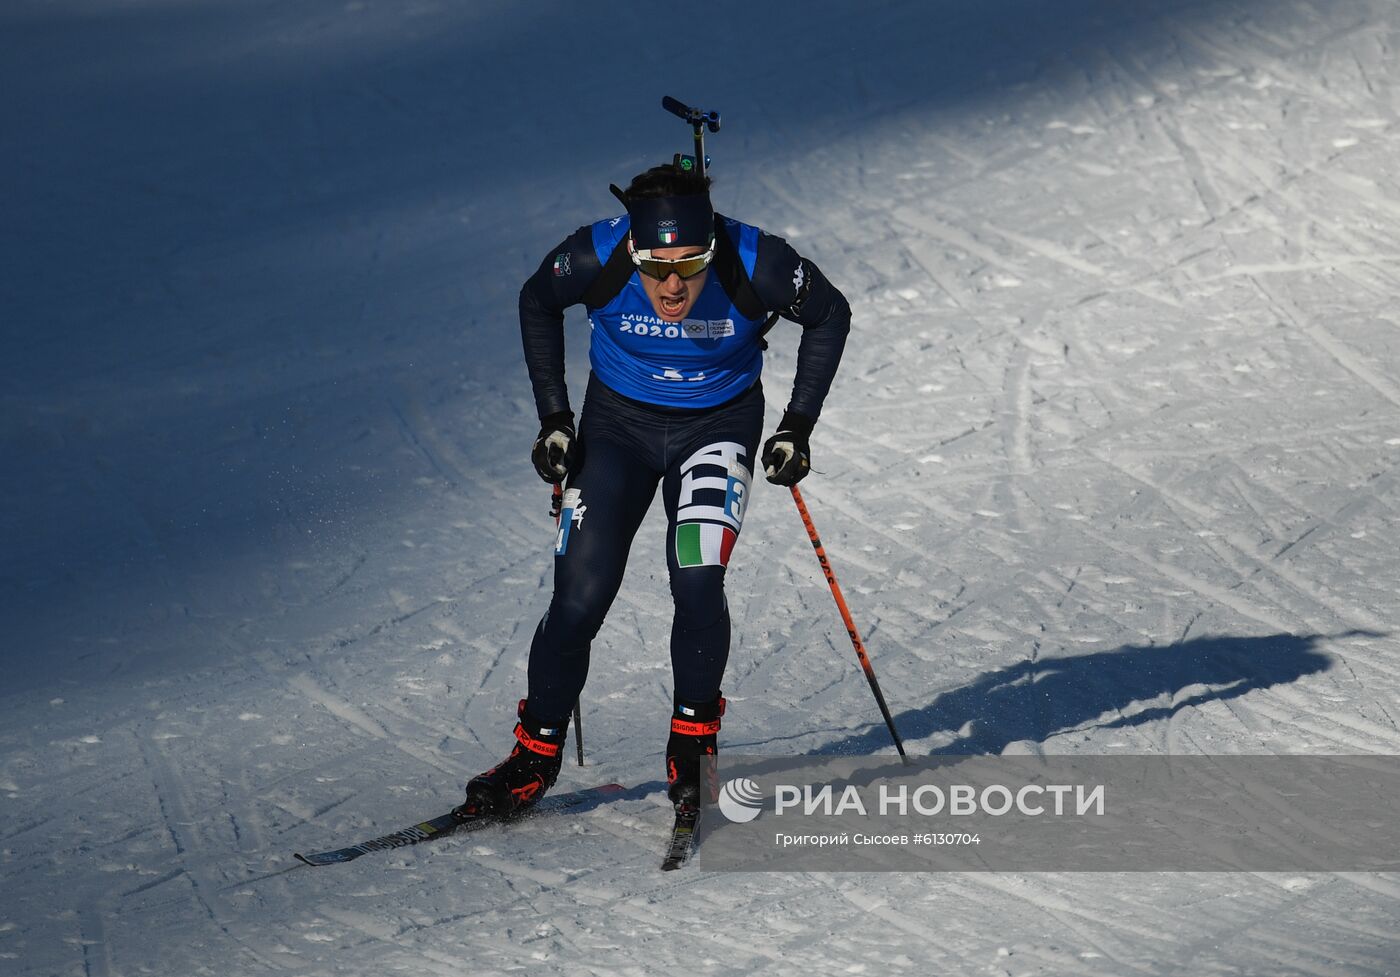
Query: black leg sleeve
column 609, row 497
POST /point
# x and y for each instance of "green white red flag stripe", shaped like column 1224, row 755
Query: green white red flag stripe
column 704, row 544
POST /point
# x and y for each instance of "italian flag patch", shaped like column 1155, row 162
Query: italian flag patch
column 704, row 544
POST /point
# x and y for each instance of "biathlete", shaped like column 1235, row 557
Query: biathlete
column 678, row 297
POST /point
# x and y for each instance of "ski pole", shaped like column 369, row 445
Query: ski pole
column 578, row 730
column 556, row 509
column 846, row 618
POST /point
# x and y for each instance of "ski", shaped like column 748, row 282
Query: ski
column 456, row 821
column 682, row 838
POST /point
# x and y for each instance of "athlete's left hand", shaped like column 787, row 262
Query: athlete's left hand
column 786, row 455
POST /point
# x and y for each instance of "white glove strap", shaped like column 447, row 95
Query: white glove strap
column 560, row 440
column 785, row 450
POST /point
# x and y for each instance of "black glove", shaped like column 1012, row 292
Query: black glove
column 557, row 450
column 786, row 456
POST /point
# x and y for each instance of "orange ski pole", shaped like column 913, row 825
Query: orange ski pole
column 846, row 618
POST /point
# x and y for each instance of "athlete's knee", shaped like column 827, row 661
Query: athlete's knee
column 578, row 608
column 699, row 605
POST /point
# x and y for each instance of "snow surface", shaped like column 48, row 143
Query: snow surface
column 1110, row 467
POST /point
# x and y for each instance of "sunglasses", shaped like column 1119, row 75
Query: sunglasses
column 662, row 269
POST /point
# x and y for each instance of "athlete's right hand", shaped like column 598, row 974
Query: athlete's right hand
column 557, row 450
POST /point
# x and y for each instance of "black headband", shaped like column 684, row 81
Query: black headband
column 672, row 222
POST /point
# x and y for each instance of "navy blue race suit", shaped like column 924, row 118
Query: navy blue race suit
column 674, row 404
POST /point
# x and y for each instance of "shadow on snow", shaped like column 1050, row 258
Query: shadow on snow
column 1035, row 700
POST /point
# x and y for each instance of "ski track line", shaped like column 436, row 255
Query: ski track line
column 1212, row 201
column 171, row 807
column 1357, row 617
column 986, row 529
column 955, row 235
column 1002, row 160
column 1239, row 480
column 543, row 877
column 97, row 953
column 554, row 928
column 1018, row 410
column 870, row 905
column 1325, row 262
column 353, row 716
column 155, row 883
column 1211, row 197
column 1281, row 954
column 1262, row 189
column 1073, row 918
column 496, row 655
column 422, row 729
column 378, row 930
column 1049, row 250
column 1205, row 517
column 841, row 503
column 1357, row 927
column 975, row 602
column 1245, row 713
column 602, row 894
column 1376, row 883
column 175, row 812
column 578, row 898
column 1212, row 939
column 361, row 558
column 1354, row 733
column 240, row 807
column 964, row 299
column 1204, row 588
column 419, row 432
column 572, row 932
column 657, row 913
column 834, row 423
column 431, row 961
column 758, row 599
column 404, row 616
column 820, row 220
column 1349, row 361
column 1366, row 191
column 1216, row 48
column 26, row 827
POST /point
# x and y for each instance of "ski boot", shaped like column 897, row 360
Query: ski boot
column 694, row 737
column 518, row 782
